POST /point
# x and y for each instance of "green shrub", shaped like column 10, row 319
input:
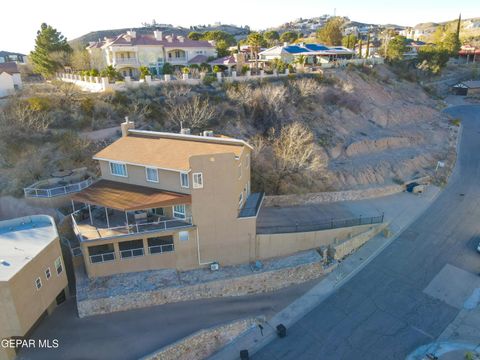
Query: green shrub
column 455, row 122
column 209, row 79
column 167, row 69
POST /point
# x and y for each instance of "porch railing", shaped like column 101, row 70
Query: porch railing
column 108, row 232
column 102, row 257
column 158, row 249
column 32, row 192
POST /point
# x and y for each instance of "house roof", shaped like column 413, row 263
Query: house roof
column 128, row 197
column 166, row 150
column 226, row 60
column 21, row 240
column 6, row 53
column 147, row 39
column 9, row 67
column 198, row 59
column 307, row 49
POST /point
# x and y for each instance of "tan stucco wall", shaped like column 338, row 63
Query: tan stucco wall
column 183, row 257
column 168, row 180
column 273, row 245
column 223, row 236
column 21, row 304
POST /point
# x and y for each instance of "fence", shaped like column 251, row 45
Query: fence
column 35, row 192
column 325, row 225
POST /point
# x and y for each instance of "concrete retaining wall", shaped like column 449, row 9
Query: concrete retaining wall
column 203, row 343
column 350, row 245
column 276, row 245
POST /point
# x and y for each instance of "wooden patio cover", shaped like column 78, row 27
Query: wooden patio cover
column 127, row 197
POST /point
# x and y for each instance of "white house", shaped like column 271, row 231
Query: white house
column 10, row 79
column 128, row 51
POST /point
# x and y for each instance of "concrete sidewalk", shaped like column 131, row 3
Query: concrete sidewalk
column 400, row 211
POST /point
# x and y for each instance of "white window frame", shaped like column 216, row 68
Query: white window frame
column 156, row 172
column 38, row 281
column 48, row 273
column 240, row 200
column 61, row 265
column 197, row 184
column 110, row 163
column 181, row 180
column 183, row 215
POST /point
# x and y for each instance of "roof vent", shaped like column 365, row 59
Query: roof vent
column 4, row 263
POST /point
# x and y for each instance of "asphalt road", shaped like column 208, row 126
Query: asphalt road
column 132, row 334
column 382, row 312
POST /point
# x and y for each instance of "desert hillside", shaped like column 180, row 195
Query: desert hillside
column 359, row 127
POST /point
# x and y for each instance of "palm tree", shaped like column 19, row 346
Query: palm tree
column 301, row 60
column 255, row 40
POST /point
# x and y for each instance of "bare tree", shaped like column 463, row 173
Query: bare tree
column 195, row 113
column 293, row 152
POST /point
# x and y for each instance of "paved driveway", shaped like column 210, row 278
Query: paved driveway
column 383, row 311
column 135, row 333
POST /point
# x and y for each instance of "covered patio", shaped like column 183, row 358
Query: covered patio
column 108, row 209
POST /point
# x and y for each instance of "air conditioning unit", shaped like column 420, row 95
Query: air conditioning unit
column 208, row 133
column 214, row 266
column 185, row 131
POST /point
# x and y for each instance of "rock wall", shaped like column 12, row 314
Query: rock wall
column 335, row 196
column 203, row 343
column 257, row 282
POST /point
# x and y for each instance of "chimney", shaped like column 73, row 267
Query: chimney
column 181, row 38
column 169, row 38
column 158, row 35
column 127, row 125
column 132, row 34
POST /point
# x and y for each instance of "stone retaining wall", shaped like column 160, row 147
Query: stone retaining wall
column 203, row 343
column 334, row 196
column 257, row 282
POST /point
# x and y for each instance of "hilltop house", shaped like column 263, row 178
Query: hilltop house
column 10, row 79
column 314, row 53
column 7, row 56
column 33, row 280
column 167, row 200
column 128, row 51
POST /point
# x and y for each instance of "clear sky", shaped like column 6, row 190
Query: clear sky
column 21, row 19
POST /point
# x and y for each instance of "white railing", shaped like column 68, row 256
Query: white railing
column 96, row 232
column 57, row 191
column 158, row 249
column 102, row 257
column 125, row 254
column 126, row 61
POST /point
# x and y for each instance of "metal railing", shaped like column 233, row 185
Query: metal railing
column 324, row 225
column 96, row 232
column 131, row 253
column 102, row 257
column 57, row 191
column 158, row 249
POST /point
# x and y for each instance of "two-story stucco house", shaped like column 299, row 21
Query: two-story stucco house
column 167, row 200
column 128, row 51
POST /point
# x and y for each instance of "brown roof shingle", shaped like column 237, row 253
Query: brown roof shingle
column 163, row 152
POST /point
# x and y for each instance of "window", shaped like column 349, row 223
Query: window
column 183, row 235
column 38, row 283
column 161, row 244
column 197, row 180
column 101, row 253
column 240, row 171
column 152, row 174
column 184, row 180
column 240, row 200
column 58, row 265
column 118, row 169
column 48, row 274
column 247, row 161
column 179, row 211
column 129, row 249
